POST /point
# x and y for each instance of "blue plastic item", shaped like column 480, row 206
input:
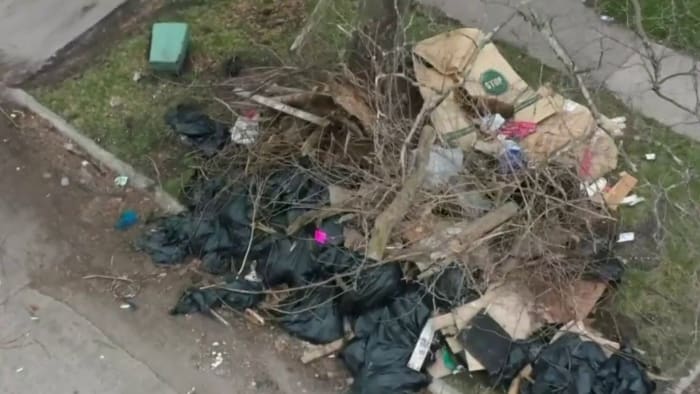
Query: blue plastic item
column 127, row 219
column 513, row 158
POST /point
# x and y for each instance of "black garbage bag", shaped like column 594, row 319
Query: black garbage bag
column 238, row 294
column 289, row 261
column 571, row 365
column 453, row 287
column 168, row 242
column 502, row 357
column 487, row 341
column 385, row 338
column 198, row 129
column 177, row 237
column 289, row 194
column 217, row 230
column 606, row 267
column 568, row 365
column 371, row 287
column 313, row 315
column 623, row 374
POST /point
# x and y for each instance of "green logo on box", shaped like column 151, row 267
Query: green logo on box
column 494, row 82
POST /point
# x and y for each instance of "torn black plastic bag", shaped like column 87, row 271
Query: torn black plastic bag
column 623, row 374
column 177, row 237
column 487, row 341
column 198, row 129
column 168, row 242
column 313, row 315
column 453, row 287
column 572, row 366
column 289, row 194
column 371, row 288
column 385, row 338
column 239, row 294
column 217, row 231
column 289, row 261
column 374, row 285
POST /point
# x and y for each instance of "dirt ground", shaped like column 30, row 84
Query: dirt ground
column 77, row 219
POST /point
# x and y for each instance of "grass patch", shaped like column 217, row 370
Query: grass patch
column 672, row 22
column 127, row 118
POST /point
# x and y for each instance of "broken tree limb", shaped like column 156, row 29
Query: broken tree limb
column 525, row 373
column 316, row 15
column 385, row 222
column 545, row 28
column 284, row 108
column 324, row 350
column 454, row 239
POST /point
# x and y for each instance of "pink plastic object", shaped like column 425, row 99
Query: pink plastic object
column 320, row 236
column 518, row 130
column 584, row 169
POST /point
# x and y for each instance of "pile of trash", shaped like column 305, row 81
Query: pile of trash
column 462, row 226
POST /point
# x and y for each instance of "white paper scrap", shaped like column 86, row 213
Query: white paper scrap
column 420, row 352
column 632, row 200
column 625, row 237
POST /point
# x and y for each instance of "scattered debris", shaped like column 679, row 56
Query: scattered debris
column 121, row 181
column 19, row 370
column 233, row 66
column 319, row 351
column 246, row 129
column 65, row 181
column 597, row 187
column 625, row 237
column 127, row 219
column 650, row 156
column 284, row 108
column 632, row 200
column 197, row 129
column 616, row 194
column 254, row 317
column 607, row 18
column 115, row 101
column 218, row 360
column 443, row 164
column 459, row 238
column 125, row 306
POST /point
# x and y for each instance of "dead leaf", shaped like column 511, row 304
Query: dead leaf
column 352, row 101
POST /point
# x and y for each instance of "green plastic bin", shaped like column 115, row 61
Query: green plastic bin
column 169, row 44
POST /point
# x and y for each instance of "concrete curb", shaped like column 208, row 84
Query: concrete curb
column 167, row 202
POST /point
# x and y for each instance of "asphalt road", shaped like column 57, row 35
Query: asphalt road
column 33, row 31
column 45, row 345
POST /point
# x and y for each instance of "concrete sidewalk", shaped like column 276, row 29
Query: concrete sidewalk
column 612, row 55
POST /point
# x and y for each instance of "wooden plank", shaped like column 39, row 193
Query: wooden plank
column 284, row 108
column 614, row 197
